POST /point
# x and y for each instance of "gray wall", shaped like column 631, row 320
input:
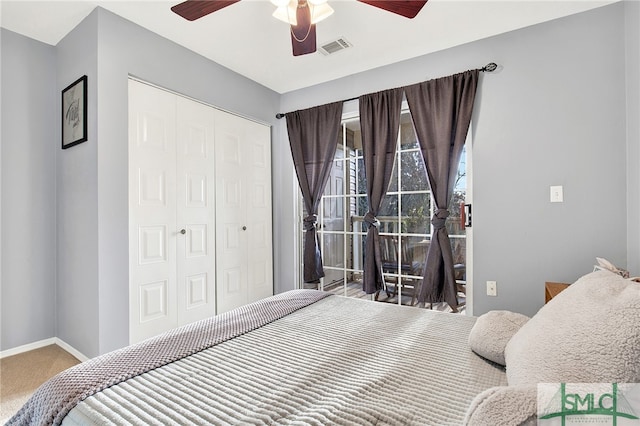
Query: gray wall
column 125, row 49
column 77, row 224
column 89, row 214
column 28, row 190
column 632, row 45
column 554, row 114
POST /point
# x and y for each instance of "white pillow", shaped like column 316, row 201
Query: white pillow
column 589, row 333
column 503, row 405
column 492, row 331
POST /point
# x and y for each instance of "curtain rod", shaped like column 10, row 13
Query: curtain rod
column 490, row 67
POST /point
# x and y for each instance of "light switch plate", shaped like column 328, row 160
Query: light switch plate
column 492, row 288
column 556, row 195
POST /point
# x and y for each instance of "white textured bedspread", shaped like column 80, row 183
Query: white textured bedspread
column 338, row 361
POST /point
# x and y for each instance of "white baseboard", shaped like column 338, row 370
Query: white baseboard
column 42, row 343
column 73, row 351
column 28, row 347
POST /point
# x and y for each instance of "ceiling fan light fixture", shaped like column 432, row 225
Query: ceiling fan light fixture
column 320, row 11
column 286, row 10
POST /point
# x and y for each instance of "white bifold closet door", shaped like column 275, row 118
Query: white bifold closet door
column 200, row 228
column 243, row 212
column 171, row 210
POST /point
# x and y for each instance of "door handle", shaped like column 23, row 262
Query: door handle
column 183, row 231
column 244, row 228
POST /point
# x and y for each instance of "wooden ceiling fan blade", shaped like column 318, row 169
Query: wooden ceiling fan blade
column 195, row 9
column 305, row 44
column 407, row 8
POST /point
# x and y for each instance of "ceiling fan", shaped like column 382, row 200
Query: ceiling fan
column 301, row 15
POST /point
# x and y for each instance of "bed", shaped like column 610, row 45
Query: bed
column 302, row 357
column 307, row 357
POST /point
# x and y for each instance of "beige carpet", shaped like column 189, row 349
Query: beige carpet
column 20, row 375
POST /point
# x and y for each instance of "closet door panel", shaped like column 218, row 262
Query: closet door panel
column 195, row 210
column 230, row 213
column 243, row 211
column 259, row 245
column 152, row 211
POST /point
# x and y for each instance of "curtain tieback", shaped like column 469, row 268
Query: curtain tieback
column 440, row 218
column 370, row 219
column 310, row 222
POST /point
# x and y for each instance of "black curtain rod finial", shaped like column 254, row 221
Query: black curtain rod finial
column 490, row 67
column 279, row 115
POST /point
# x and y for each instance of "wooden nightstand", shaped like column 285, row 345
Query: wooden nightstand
column 551, row 290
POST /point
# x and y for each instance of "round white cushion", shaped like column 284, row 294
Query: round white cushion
column 492, row 331
column 503, row 405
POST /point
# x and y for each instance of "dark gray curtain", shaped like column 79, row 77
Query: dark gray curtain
column 441, row 111
column 313, row 136
column 379, row 123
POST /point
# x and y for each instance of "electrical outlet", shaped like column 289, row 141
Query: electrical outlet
column 492, row 289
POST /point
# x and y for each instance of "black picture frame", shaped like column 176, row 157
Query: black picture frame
column 74, row 113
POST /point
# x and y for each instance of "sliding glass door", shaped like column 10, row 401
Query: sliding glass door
column 405, row 226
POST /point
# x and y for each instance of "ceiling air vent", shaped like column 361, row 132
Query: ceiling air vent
column 335, row 46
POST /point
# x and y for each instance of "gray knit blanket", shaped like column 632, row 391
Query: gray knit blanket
column 54, row 399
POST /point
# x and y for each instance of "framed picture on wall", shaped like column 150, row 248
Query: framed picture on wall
column 74, row 113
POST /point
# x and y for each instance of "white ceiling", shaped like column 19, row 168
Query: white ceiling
column 245, row 38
